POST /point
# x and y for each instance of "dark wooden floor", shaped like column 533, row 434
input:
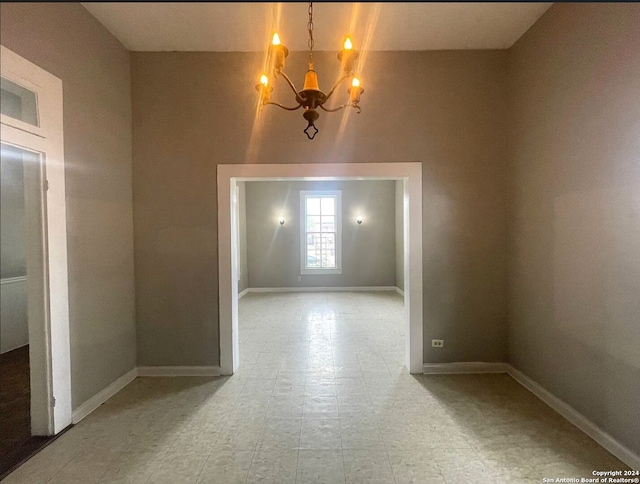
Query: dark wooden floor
column 15, row 426
column 16, row 442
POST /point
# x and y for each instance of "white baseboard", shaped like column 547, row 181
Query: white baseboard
column 102, row 396
column 243, row 293
column 464, row 367
column 399, row 291
column 178, row 371
column 577, row 419
column 571, row 414
column 322, row 289
column 567, row 411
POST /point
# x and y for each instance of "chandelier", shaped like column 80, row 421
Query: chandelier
column 311, row 97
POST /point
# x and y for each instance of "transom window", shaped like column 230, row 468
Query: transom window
column 320, row 237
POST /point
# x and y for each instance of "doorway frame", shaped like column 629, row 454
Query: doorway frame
column 49, row 346
column 228, row 176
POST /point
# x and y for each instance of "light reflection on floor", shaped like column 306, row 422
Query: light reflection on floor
column 321, row 396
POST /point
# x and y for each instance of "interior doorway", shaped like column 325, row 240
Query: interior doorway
column 35, row 316
column 22, row 296
column 410, row 175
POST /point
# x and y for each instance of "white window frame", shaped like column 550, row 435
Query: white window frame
column 304, row 194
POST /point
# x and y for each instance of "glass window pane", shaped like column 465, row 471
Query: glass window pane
column 311, row 238
column 328, row 250
column 328, row 241
column 20, row 214
column 313, row 206
column 329, row 259
column 313, row 259
column 328, row 206
column 328, row 224
column 18, row 102
column 313, row 242
column 313, row 223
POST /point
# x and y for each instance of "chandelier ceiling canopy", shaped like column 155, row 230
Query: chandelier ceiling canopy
column 310, row 97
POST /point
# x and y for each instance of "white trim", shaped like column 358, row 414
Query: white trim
column 243, row 293
column 236, row 228
column 49, row 346
column 399, row 291
column 320, row 289
column 411, row 175
column 576, row 418
column 567, row 411
column 319, row 272
column 178, row 371
column 103, row 395
column 464, row 367
column 13, row 280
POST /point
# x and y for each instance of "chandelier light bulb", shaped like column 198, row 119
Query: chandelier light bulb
column 354, row 93
column 264, row 89
column 278, row 53
column 347, row 44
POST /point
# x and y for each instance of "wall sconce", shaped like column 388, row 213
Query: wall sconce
column 359, row 219
column 281, row 220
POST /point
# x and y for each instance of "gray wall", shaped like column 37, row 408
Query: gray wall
column 399, row 226
column 243, row 283
column 574, row 314
column 194, row 110
column 368, row 250
column 12, row 215
column 66, row 40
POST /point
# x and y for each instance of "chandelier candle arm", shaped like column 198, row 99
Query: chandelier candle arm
column 334, row 109
column 290, row 82
column 284, row 107
column 345, row 76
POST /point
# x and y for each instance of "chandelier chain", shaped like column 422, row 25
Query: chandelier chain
column 310, row 29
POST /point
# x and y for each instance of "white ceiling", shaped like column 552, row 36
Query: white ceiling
column 247, row 27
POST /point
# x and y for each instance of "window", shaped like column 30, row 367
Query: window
column 320, row 233
column 18, row 102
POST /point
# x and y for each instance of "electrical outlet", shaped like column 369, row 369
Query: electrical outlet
column 437, row 343
column 299, row 278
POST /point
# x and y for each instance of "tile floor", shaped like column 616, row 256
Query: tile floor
column 321, row 397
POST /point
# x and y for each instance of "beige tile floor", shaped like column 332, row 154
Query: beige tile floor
column 321, row 397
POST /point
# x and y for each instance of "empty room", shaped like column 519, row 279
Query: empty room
column 320, row 242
